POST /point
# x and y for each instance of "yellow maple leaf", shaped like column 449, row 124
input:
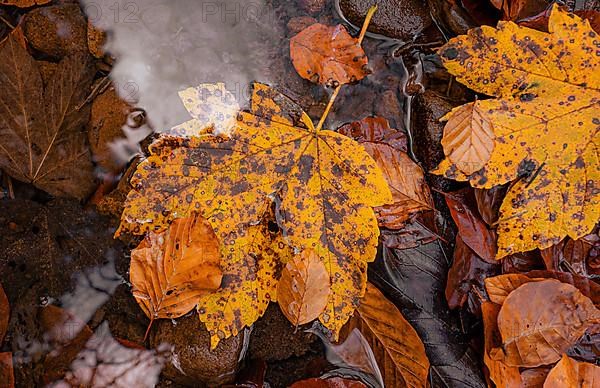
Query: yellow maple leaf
column 546, row 120
column 324, row 186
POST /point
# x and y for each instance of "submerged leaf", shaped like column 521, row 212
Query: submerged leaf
column 303, row 288
column 324, row 186
column 546, row 124
column 328, row 55
column 171, row 270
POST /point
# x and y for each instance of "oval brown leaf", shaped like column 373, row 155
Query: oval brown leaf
column 4, row 313
column 303, row 289
column 171, row 270
column 541, row 320
column 399, row 351
column 501, row 374
column 468, row 138
column 570, row 373
column 328, row 55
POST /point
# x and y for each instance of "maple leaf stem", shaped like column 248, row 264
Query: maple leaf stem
column 336, row 91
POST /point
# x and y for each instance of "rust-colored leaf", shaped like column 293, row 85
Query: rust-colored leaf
column 573, row 255
column 4, row 313
column 303, row 288
column 171, row 270
column 534, row 377
column 468, row 138
column 24, row 3
column 545, row 120
column 328, row 55
column 323, row 185
column 41, row 136
column 501, row 374
column 399, row 351
column 499, row 287
column 570, row 373
column 541, row 320
column 332, row 382
column 7, row 377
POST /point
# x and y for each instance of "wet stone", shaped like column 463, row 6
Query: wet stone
column 57, row 30
column 399, row 19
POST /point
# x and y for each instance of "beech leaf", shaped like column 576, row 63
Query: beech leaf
column 545, row 117
column 570, row 373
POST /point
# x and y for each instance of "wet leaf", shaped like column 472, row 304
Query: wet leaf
column 572, row 255
column 397, row 347
column 489, row 202
column 328, row 55
column 405, row 178
column 324, row 186
column 499, row 287
column 171, row 270
column 252, row 261
column 539, row 80
column 471, row 228
column 4, row 313
column 466, row 277
column 541, row 320
column 332, row 382
column 41, row 130
column 540, row 21
column 414, row 280
column 303, row 288
column 7, row 377
column 570, row 373
column 501, row 374
column 468, row 138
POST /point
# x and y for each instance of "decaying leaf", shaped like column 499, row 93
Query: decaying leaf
column 468, row 138
column 324, row 186
column 405, row 178
column 540, row 320
column 499, row 287
column 570, row 373
column 546, row 124
column 303, row 288
column 41, row 137
column 328, row 55
column 171, row 270
column 212, row 107
column 397, row 347
column 501, row 374
column 4, row 313
column 252, row 261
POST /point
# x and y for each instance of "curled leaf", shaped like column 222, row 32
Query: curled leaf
column 171, row 270
column 328, row 55
column 303, row 288
column 540, row 320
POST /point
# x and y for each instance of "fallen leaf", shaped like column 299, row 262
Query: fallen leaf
column 588, row 347
column 397, row 347
column 252, row 261
column 324, row 186
column 471, row 228
column 499, row 287
column 4, row 313
column 171, row 270
column 7, row 377
column 413, row 234
column 572, row 255
column 410, row 192
column 328, row 55
column 466, row 277
column 540, row 21
column 303, row 288
column 468, row 139
column 96, row 38
column 540, row 320
column 539, row 80
column 501, row 374
column 41, row 137
column 24, row 3
column 489, row 202
column 414, row 280
column 570, row 373
column 332, row 382
column 534, row 377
